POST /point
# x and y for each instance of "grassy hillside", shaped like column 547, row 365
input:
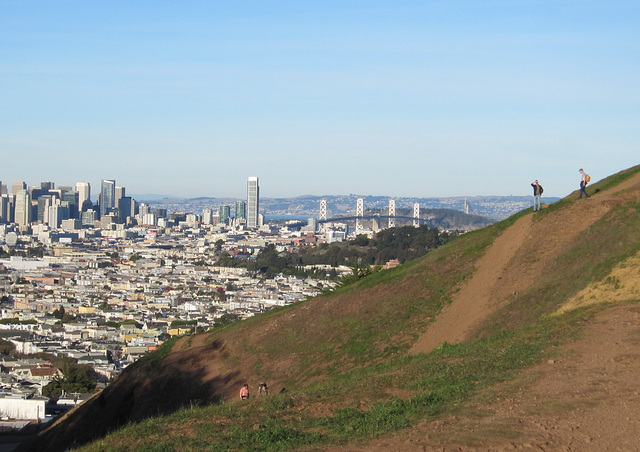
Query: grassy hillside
column 339, row 366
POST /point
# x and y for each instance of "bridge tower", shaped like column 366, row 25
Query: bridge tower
column 323, row 213
column 392, row 213
column 416, row 215
column 359, row 214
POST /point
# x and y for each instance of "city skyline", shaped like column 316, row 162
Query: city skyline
column 407, row 98
column 70, row 207
column 84, row 192
column 51, row 203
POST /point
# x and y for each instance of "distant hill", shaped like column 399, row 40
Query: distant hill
column 520, row 335
column 150, row 197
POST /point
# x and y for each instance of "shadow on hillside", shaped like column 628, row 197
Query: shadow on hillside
column 135, row 397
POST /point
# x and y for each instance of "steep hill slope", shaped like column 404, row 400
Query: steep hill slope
column 370, row 358
column 516, row 259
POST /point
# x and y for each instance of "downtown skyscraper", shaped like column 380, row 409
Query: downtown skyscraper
column 84, row 193
column 241, row 210
column 107, row 196
column 253, row 202
column 22, row 208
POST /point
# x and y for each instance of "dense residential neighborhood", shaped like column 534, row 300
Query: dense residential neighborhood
column 106, row 297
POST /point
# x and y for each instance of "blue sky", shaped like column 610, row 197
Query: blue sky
column 399, row 98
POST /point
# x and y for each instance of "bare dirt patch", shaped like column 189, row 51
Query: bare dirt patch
column 473, row 302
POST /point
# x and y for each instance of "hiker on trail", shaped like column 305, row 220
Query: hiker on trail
column 244, row 392
column 537, row 194
column 583, row 183
column 262, row 388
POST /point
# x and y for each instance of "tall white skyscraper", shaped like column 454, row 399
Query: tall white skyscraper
column 253, row 202
column 23, row 208
column 207, row 216
column 107, row 196
column 120, row 193
column 54, row 216
column 84, row 193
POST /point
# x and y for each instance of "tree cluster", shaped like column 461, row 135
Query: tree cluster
column 402, row 243
column 77, row 378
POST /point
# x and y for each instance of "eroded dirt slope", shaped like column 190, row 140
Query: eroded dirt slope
column 513, row 261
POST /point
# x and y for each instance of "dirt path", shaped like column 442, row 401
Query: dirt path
column 512, row 262
column 589, row 398
column 474, row 301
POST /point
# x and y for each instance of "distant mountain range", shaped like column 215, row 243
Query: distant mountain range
column 494, row 207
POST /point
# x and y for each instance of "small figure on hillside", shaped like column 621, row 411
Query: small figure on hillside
column 262, row 388
column 583, row 183
column 537, row 194
column 244, row 392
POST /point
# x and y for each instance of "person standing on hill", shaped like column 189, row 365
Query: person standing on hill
column 583, row 183
column 537, row 194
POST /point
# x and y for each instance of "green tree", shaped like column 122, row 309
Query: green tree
column 226, row 319
column 77, row 378
column 130, row 322
column 361, row 240
column 59, row 313
column 7, row 347
column 358, row 271
column 225, row 260
column 37, row 251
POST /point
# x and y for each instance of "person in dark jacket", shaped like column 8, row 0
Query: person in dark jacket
column 537, row 194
